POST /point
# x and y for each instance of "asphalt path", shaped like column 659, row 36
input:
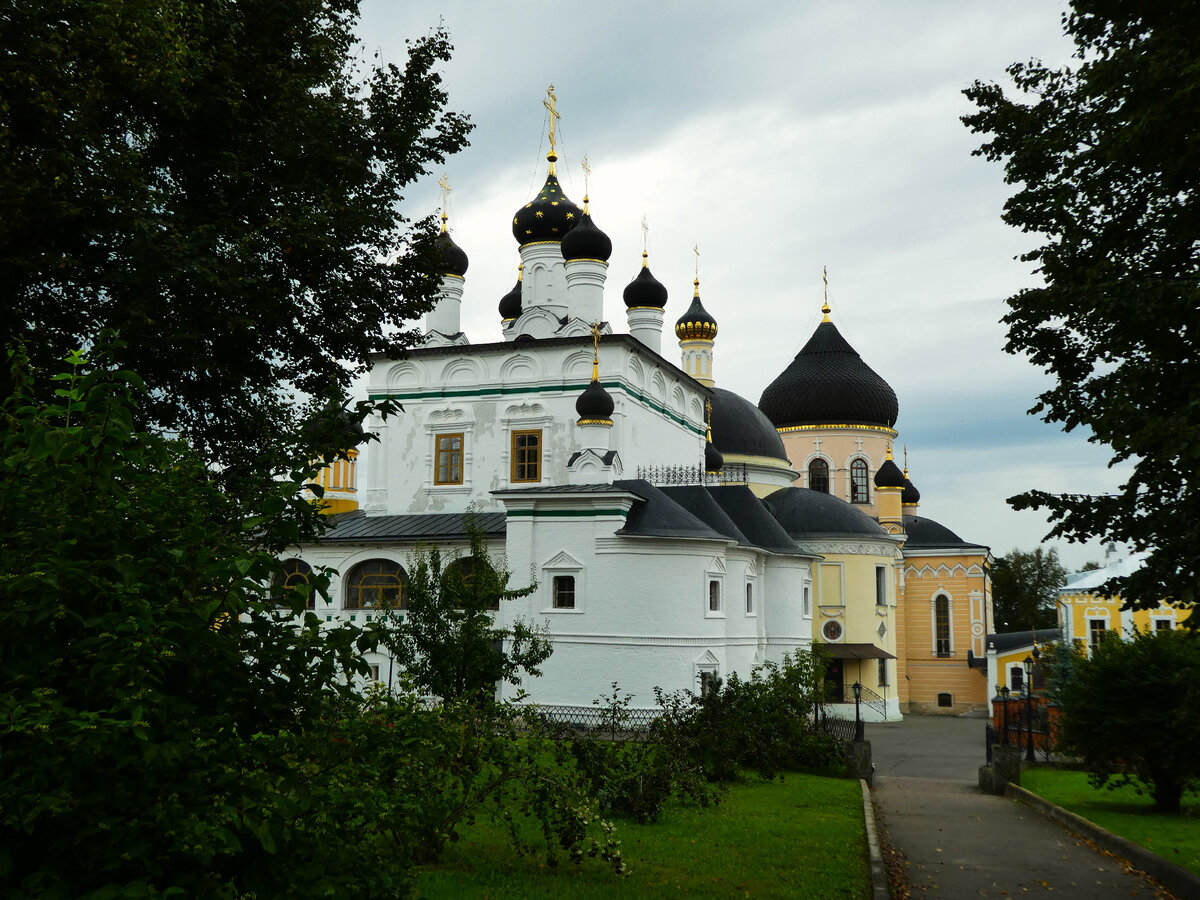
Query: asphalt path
column 961, row 842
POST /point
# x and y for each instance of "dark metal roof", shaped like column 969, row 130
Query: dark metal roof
column 855, row 651
column 1013, row 639
column 752, row 518
column 660, row 516
column 927, row 534
column 804, row 512
column 357, row 526
column 738, row 426
column 699, row 502
column 614, row 488
column 829, row 384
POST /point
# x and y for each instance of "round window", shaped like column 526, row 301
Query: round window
column 832, row 630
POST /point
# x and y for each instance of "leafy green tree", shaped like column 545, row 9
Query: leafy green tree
column 447, row 639
column 1024, row 589
column 1131, row 712
column 1107, row 164
column 166, row 731
column 220, row 182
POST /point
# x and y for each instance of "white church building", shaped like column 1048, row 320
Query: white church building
column 658, row 514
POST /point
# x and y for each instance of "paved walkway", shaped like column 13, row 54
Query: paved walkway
column 961, row 842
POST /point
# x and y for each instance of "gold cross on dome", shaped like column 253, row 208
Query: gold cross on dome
column 825, row 305
column 696, row 250
column 595, row 351
column 551, row 104
column 444, row 183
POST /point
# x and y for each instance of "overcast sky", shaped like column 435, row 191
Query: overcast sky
column 780, row 138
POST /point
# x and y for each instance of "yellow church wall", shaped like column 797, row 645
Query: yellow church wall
column 846, row 593
column 839, row 445
column 931, row 671
column 1077, row 610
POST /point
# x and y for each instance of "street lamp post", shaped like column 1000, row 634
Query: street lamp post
column 1028, row 664
column 858, row 724
column 1004, row 692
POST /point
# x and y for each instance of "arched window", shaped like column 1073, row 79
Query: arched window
column 859, row 492
column 461, row 574
column 818, row 475
column 377, row 584
column 941, row 625
column 296, row 572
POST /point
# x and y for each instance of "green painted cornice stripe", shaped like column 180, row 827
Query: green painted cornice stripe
column 564, row 513
column 542, row 389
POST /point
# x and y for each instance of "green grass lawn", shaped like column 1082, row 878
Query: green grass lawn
column 801, row 837
column 1124, row 812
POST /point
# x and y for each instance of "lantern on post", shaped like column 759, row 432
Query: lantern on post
column 1028, row 664
column 858, row 724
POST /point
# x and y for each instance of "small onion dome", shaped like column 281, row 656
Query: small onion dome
column 332, row 428
column 829, row 384
column 645, row 290
column 713, row 460
column 595, row 405
column 548, row 217
column 585, row 240
column 738, row 427
column 510, row 303
column 889, row 475
column 911, row 496
column 696, row 324
column 452, row 260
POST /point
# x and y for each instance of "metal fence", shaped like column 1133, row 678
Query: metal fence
column 841, row 729
column 665, row 476
column 614, row 724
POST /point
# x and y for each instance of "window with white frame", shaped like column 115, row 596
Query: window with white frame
column 941, row 625
column 859, row 492
column 806, row 601
column 1097, row 631
column 881, row 585
column 714, row 595
column 749, row 598
column 1162, row 625
column 562, row 584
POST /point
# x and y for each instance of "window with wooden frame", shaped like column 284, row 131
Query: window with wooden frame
column 564, row 592
column 377, row 584
column 448, row 468
column 527, row 456
column 941, row 626
column 859, row 491
column 295, row 576
column 818, row 475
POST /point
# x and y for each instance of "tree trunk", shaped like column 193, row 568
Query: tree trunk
column 1167, row 793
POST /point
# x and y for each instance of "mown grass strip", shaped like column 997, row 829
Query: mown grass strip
column 800, row 837
column 1124, row 812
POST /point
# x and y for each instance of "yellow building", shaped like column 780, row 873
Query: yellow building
column 836, row 417
column 1087, row 616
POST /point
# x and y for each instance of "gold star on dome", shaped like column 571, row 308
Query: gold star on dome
column 514, row 220
column 554, row 230
column 538, row 214
column 554, row 203
column 570, row 215
column 529, row 231
column 528, row 205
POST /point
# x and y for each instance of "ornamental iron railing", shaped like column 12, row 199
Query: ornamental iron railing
column 665, row 476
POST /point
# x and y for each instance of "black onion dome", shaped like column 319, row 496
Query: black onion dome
column 911, row 495
column 594, row 404
column 804, row 512
column 738, row 426
column 889, row 475
column 453, row 260
column 510, row 303
column 586, row 241
column 713, row 460
column 645, row 290
column 548, row 217
column 696, row 323
column 829, row 384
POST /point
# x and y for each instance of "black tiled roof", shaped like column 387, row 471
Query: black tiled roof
column 829, row 384
column 1013, row 639
column 699, row 502
column 804, row 512
column 925, row 533
column 755, row 522
column 738, row 426
column 660, row 516
column 357, row 526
